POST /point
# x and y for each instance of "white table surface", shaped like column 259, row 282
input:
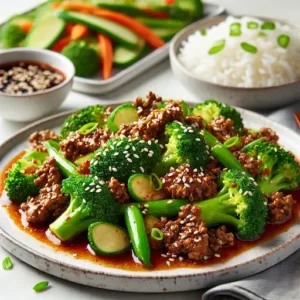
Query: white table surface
column 18, row 283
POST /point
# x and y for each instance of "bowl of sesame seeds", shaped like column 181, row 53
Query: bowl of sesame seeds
column 33, row 83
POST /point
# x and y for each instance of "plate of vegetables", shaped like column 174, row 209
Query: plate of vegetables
column 151, row 196
column 108, row 41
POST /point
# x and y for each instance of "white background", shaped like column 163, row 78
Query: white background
column 18, row 283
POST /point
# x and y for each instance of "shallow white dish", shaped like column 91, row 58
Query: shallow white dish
column 84, row 272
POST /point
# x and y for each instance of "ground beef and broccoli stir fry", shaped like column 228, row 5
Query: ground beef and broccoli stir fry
column 156, row 174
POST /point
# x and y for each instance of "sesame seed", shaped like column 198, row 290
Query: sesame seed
column 75, row 254
column 146, row 149
column 198, row 140
column 265, row 203
column 133, row 148
column 146, row 205
column 136, row 156
column 195, row 170
column 114, row 169
column 163, row 180
column 171, row 259
column 170, row 202
column 149, row 143
column 217, row 255
column 183, row 179
column 92, row 183
column 129, row 159
column 127, row 147
column 205, row 257
column 150, row 154
column 180, row 258
column 164, row 255
column 142, row 169
column 116, row 154
column 179, row 136
column 92, row 190
column 241, row 191
column 84, row 201
column 86, row 189
column 170, row 174
column 168, row 263
column 174, row 255
column 245, row 193
column 109, row 168
column 211, row 157
column 250, row 193
column 98, row 191
column 191, row 131
column 187, row 185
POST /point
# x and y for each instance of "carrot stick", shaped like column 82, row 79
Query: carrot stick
column 25, row 25
column 61, row 44
column 106, row 52
column 142, row 30
column 79, row 31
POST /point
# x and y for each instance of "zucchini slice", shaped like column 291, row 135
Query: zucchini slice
column 123, row 114
column 108, row 239
column 119, row 33
column 45, row 33
column 124, row 57
column 141, row 189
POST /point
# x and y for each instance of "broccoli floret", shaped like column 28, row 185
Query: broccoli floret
column 185, row 145
column 91, row 201
column 211, row 109
column 84, row 57
column 123, row 157
column 91, row 114
column 278, row 170
column 19, row 183
column 11, row 35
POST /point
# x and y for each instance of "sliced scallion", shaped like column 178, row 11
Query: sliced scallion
column 283, row 40
column 88, row 128
column 235, row 29
column 41, row 286
column 252, row 25
column 268, row 26
column 233, row 141
column 7, row 263
column 157, row 234
column 217, row 47
column 248, row 47
column 155, row 181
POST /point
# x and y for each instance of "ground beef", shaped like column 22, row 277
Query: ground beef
column 146, row 106
column 280, row 207
column 222, row 128
column 155, row 244
column 119, row 191
column 187, row 235
column 38, row 138
column 213, row 168
column 77, row 144
column 251, row 164
column 197, row 121
column 268, row 134
column 186, row 183
column 219, row 238
column 50, row 202
column 108, row 112
column 151, row 126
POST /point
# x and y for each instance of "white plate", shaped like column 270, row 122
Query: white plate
column 67, row 267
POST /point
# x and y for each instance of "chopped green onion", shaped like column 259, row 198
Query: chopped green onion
column 235, row 29
column 283, row 40
column 268, row 26
column 7, row 263
column 233, row 141
column 41, row 286
column 155, row 181
column 203, row 32
column 217, row 47
column 157, row 234
column 252, row 25
column 261, row 34
column 249, row 48
column 88, row 128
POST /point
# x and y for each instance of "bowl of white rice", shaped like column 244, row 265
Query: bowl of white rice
column 244, row 61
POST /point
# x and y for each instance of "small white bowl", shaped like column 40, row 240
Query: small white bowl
column 28, row 107
column 252, row 98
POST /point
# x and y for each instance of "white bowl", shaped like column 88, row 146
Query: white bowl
column 252, row 98
column 28, row 107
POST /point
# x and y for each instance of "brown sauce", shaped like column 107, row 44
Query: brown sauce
column 28, row 77
column 127, row 261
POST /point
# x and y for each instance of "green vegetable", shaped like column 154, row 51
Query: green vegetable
column 138, row 234
column 163, row 23
column 157, row 234
column 140, row 156
column 185, row 145
column 222, row 154
column 11, row 35
column 186, row 110
column 108, row 239
column 248, row 47
column 283, row 40
column 233, row 141
column 141, row 189
column 150, row 221
column 268, row 26
column 19, row 183
column 165, row 33
column 7, row 263
column 88, row 128
column 252, row 25
column 41, row 286
column 211, row 109
column 241, row 205
column 123, row 114
column 235, row 29
column 90, row 114
column 278, row 170
column 84, row 57
column 250, row 145
column 217, row 47
column 204, row 32
column 127, row 7
column 194, row 8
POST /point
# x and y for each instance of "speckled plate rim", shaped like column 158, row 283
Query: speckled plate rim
column 218, row 275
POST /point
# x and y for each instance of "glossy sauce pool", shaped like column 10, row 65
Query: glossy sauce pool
column 80, row 250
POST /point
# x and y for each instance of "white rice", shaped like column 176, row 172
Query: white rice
column 271, row 65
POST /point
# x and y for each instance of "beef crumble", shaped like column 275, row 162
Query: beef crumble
column 186, row 183
column 268, row 134
column 251, row 164
column 219, row 238
column 38, row 138
column 196, row 121
column 146, row 106
column 119, row 191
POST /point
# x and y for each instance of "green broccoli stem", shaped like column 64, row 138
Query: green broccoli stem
column 252, row 144
column 222, row 154
column 270, row 185
column 164, row 165
column 65, row 166
column 70, row 224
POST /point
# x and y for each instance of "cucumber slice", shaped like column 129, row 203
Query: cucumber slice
column 124, row 57
column 141, row 190
column 165, row 33
column 45, row 33
column 162, row 23
column 108, row 239
column 120, row 33
column 123, row 114
column 149, row 222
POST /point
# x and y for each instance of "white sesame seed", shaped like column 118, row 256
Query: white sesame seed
column 86, row 189
column 179, row 136
column 170, row 202
column 217, row 255
column 116, row 154
column 191, row 131
column 133, row 148
column 98, row 191
column 146, row 149
column 171, row 259
column 75, row 254
column 142, row 169
column 146, row 205
column 164, row 255
column 129, row 159
column 168, row 263
column 109, row 168
column 127, row 147
column 149, row 143
column 205, row 257
column 245, row 193
column 250, row 193
column 265, row 203
column 136, row 156
column 180, row 258
column 150, row 154
column 92, row 183
column 241, row 191
column 187, row 185
column 183, row 179
column 114, row 169
column 92, row 190
column 163, row 180
column 84, row 201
